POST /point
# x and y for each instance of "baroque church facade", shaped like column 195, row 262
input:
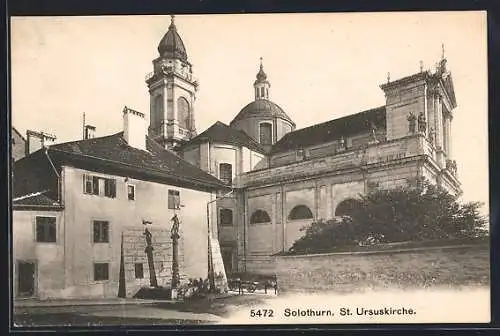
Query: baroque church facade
column 283, row 177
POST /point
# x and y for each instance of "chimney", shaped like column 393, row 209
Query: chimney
column 134, row 128
column 89, row 132
column 37, row 140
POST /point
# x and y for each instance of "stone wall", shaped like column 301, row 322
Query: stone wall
column 401, row 268
column 134, row 244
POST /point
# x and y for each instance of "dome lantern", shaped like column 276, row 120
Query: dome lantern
column 261, row 84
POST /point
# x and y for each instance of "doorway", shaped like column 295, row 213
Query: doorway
column 26, row 279
column 227, row 257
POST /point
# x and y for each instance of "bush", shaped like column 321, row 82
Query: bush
column 416, row 212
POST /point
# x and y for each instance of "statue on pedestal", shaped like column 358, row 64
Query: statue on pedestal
column 412, row 122
column 422, row 123
column 149, row 252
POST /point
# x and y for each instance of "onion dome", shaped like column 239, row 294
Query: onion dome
column 171, row 45
column 261, row 75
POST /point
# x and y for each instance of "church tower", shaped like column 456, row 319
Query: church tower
column 172, row 91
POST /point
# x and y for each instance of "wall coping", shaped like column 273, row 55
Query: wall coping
column 388, row 251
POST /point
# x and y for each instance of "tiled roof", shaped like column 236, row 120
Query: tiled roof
column 331, row 130
column 35, row 200
column 156, row 164
column 222, row 133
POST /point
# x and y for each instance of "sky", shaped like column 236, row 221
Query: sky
column 320, row 66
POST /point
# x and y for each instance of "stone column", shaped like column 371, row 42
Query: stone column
column 175, row 256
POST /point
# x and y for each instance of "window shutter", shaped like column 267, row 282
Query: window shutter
column 95, row 185
column 96, row 232
column 113, row 188
column 84, row 183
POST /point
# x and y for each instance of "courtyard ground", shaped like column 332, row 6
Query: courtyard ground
column 131, row 312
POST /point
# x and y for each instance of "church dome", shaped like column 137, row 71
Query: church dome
column 262, row 108
column 171, row 45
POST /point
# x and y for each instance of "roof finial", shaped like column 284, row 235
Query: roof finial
column 442, row 51
column 172, row 21
column 388, row 77
column 421, row 65
column 261, row 66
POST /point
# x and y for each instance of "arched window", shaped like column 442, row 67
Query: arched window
column 266, row 132
column 300, row 212
column 183, row 113
column 259, row 216
column 158, row 108
column 226, row 217
column 347, row 207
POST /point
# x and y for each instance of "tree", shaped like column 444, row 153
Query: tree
column 417, row 211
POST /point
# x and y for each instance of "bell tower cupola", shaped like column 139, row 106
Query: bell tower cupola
column 172, row 90
column 261, row 84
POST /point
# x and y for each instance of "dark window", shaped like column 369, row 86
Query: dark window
column 46, row 229
column 226, row 217
column 300, row 212
column 110, row 188
column 139, row 271
column 347, row 207
column 265, row 133
column 101, row 271
column 262, row 91
column 101, row 232
column 174, row 200
column 226, row 173
column 131, row 192
column 256, row 92
column 259, row 216
column 91, row 185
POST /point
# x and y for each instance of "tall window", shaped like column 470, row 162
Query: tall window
column 226, row 217
column 139, row 271
column 174, row 199
column 101, row 271
column 183, row 112
column 259, row 216
column 46, row 229
column 265, row 130
column 101, row 232
column 158, row 108
column 131, row 192
column 226, row 173
column 300, row 212
column 101, row 186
